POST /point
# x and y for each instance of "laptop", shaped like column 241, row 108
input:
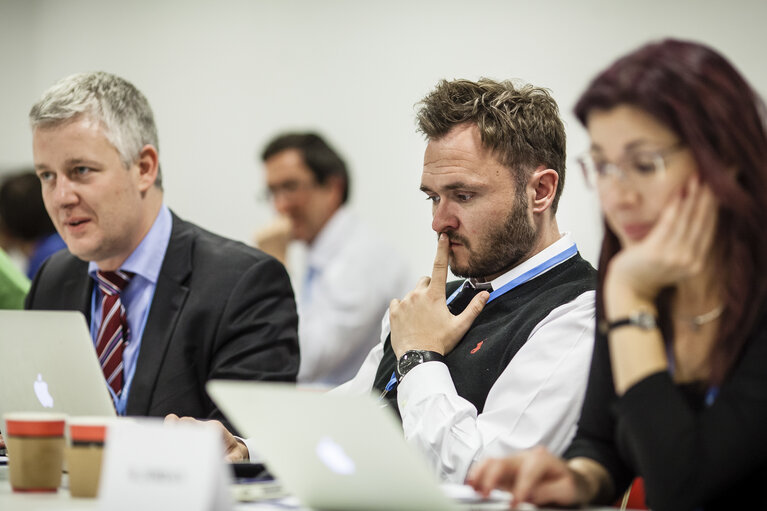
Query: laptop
column 49, row 364
column 332, row 451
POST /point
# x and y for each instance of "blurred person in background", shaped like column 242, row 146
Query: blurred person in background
column 351, row 274
column 14, row 285
column 24, row 223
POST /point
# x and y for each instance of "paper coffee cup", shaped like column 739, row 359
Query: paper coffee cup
column 84, row 454
column 35, row 443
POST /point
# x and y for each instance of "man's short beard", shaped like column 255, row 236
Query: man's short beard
column 502, row 248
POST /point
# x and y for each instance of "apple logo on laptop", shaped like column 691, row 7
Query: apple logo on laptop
column 41, row 391
column 333, row 456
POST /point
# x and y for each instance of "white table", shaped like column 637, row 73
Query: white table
column 61, row 500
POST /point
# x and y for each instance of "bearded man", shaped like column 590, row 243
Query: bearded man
column 497, row 362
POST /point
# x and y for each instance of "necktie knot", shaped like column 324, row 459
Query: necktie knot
column 113, row 282
column 465, row 295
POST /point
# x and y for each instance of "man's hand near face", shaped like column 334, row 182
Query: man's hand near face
column 274, row 238
column 422, row 321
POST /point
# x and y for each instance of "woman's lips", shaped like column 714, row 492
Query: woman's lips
column 636, row 231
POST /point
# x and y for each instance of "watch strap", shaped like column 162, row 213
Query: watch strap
column 412, row 358
column 643, row 320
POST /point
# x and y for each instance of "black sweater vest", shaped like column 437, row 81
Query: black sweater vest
column 500, row 330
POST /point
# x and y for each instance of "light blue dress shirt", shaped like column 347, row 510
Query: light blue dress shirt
column 145, row 263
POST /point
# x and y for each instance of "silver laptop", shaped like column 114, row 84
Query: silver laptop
column 49, row 363
column 331, row 451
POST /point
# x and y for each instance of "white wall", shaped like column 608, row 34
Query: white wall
column 223, row 77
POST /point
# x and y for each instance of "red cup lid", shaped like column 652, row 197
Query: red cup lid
column 87, row 432
column 34, row 427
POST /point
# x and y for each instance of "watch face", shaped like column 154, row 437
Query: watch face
column 408, row 361
column 644, row 320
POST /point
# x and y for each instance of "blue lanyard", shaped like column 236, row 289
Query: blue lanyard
column 711, row 395
column 525, row 277
column 528, row 275
column 392, row 383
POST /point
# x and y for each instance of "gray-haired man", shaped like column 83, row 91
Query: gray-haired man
column 169, row 305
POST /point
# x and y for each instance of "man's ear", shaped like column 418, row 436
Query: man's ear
column 335, row 184
column 148, row 165
column 543, row 182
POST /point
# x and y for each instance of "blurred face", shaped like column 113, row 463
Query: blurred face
column 95, row 203
column 475, row 201
column 634, row 196
column 297, row 195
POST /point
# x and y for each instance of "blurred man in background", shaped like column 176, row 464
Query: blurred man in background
column 350, row 276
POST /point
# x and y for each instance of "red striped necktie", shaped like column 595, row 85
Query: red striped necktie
column 113, row 332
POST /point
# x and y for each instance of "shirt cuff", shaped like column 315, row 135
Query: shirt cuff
column 253, row 455
column 424, row 381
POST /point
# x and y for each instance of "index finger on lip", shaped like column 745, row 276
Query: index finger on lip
column 439, row 272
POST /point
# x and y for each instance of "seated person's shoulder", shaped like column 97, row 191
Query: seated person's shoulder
column 223, row 255
column 61, row 264
column 371, row 252
column 577, row 275
column 207, row 243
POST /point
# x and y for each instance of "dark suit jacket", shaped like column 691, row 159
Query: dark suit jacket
column 220, row 310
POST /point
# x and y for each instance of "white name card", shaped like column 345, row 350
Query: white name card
column 151, row 465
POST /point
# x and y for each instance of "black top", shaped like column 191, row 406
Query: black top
column 500, row 330
column 691, row 456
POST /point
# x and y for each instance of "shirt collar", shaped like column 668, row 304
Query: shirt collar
column 332, row 235
column 147, row 259
column 563, row 243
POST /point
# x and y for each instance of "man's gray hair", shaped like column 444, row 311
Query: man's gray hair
column 120, row 108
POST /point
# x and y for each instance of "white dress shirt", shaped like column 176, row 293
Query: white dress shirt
column 354, row 276
column 536, row 400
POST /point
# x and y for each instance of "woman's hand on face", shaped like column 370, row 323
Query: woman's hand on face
column 675, row 249
column 535, row 476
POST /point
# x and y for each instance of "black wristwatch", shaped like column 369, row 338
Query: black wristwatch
column 641, row 319
column 412, row 358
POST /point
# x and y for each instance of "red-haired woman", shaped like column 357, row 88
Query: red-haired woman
column 678, row 386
